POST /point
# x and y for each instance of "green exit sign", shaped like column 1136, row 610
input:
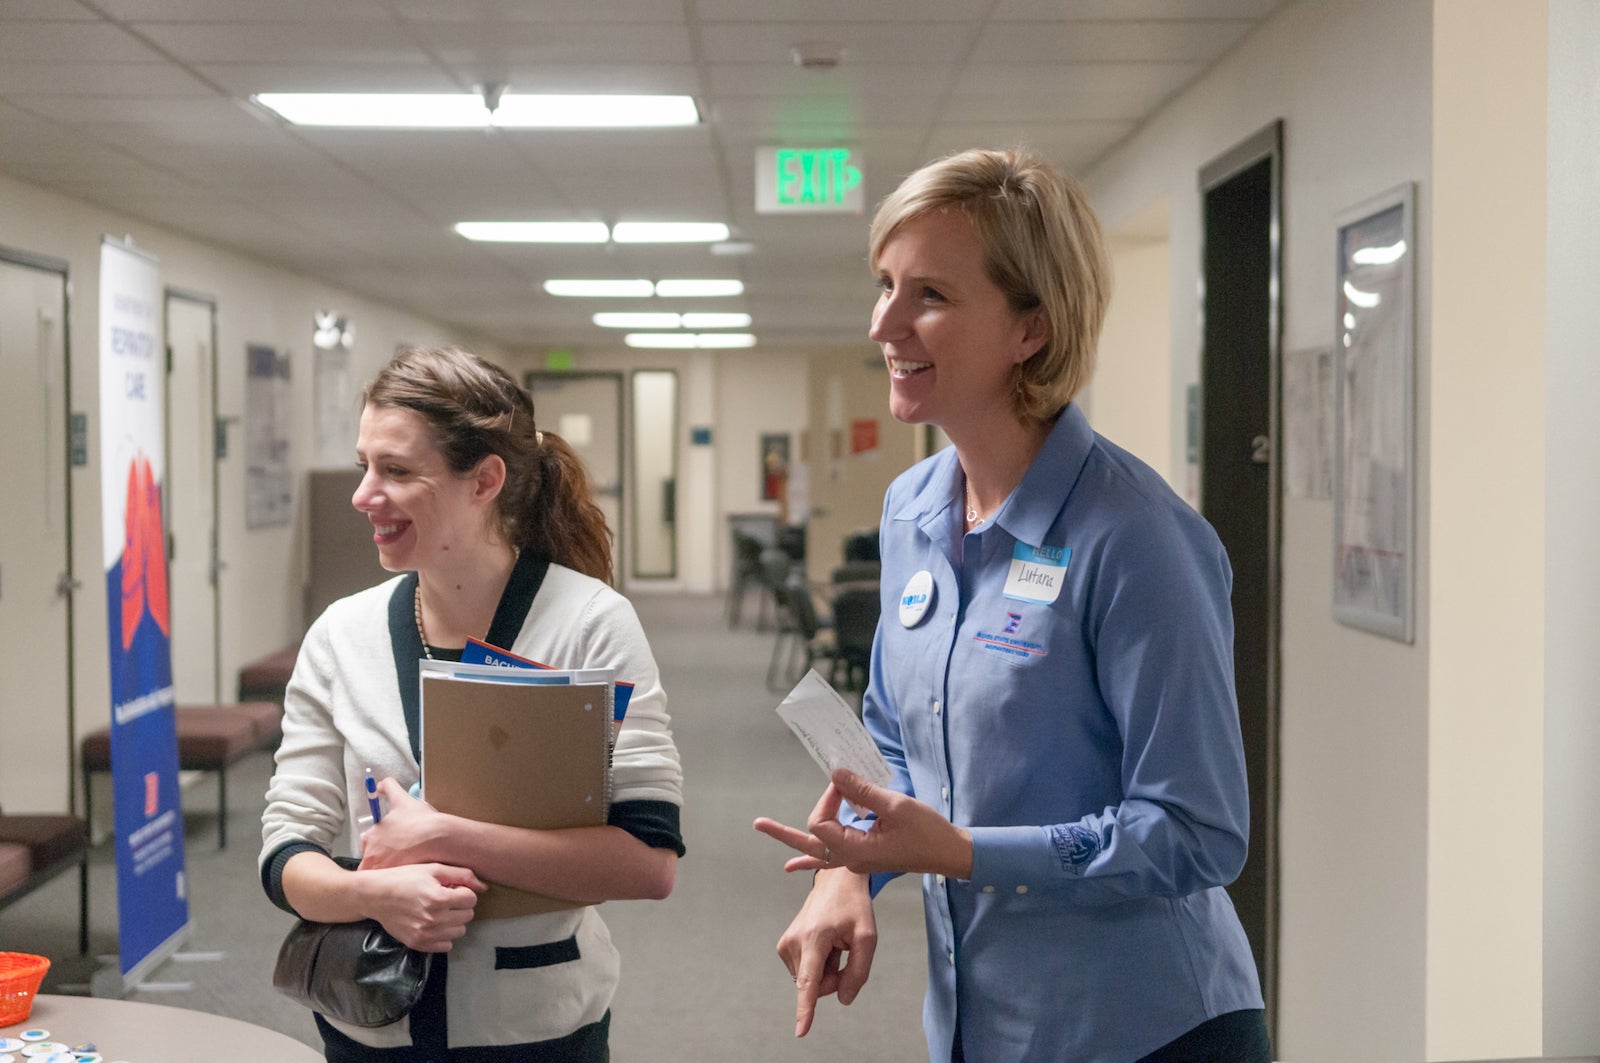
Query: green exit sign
column 808, row 180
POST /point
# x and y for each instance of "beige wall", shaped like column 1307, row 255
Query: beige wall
column 1127, row 400
column 847, row 489
column 1351, row 81
column 1486, row 545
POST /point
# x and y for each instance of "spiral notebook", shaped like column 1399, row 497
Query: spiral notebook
column 517, row 747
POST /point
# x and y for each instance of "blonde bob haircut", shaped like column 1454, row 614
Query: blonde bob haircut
column 1042, row 248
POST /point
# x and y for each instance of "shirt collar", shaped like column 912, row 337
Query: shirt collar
column 1033, row 507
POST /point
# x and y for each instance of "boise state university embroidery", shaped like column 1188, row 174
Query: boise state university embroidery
column 1007, row 640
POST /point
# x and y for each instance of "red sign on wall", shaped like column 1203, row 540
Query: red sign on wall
column 863, row 436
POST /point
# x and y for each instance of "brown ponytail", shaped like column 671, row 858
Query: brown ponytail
column 475, row 409
column 563, row 522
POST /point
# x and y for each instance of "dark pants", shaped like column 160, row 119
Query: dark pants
column 430, row 1037
column 1237, row 1037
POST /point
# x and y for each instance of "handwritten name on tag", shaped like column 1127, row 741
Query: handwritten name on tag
column 1037, row 572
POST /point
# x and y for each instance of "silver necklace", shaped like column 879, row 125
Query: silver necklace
column 973, row 520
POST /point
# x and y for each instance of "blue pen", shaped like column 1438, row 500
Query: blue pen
column 372, row 796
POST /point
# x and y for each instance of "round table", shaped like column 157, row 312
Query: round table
column 137, row 1032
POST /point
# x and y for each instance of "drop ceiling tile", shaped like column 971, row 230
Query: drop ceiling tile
column 1126, row 41
column 862, row 44
column 245, row 11
column 244, row 79
column 196, row 43
column 1039, row 10
column 23, row 79
column 913, row 12
column 44, row 11
column 513, row 44
column 611, row 78
column 68, row 42
column 542, row 11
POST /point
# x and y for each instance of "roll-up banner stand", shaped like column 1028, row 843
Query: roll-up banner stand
column 152, row 895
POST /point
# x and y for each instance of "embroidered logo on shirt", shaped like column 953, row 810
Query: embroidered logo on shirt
column 999, row 642
column 1076, row 846
column 1013, row 621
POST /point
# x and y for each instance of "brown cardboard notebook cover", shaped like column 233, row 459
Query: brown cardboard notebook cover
column 521, row 755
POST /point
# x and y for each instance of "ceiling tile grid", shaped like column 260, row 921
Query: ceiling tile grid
column 143, row 106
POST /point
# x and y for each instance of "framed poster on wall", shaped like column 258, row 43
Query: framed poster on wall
column 1374, row 490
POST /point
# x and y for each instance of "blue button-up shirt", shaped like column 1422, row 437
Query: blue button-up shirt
column 1066, row 694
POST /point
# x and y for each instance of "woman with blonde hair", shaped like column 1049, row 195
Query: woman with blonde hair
column 492, row 528
column 1052, row 678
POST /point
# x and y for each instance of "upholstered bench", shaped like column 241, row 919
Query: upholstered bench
column 34, row 850
column 266, row 679
column 210, row 738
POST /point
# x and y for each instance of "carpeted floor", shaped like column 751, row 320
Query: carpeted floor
column 700, row 979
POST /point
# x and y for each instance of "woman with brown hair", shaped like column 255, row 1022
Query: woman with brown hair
column 492, row 527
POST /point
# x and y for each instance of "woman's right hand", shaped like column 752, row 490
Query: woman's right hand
column 425, row 906
column 829, row 946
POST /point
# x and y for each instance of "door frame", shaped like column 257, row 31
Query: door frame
column 69, row 583
column 1265, row 144
column 619, row 534
column 169, row 294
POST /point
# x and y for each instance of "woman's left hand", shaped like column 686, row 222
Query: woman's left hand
column 409, row 832
column 908, row 836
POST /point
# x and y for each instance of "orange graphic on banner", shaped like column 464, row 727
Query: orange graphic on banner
column 144, row 562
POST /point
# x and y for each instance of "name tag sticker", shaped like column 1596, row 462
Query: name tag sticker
column 1037, row 572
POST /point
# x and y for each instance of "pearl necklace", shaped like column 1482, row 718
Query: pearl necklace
column 416, row 604
column 416, row 609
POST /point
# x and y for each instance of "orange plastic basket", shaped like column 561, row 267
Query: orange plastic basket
column 20, row 975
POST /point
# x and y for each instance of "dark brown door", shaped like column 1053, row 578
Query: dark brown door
column 1238, row 483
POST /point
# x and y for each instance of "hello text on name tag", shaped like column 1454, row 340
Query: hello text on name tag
column 1037, row 572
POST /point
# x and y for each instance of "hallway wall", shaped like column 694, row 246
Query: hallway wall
column 1351, row 81
column 257, row 303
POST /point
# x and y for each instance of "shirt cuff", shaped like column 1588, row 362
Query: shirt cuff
column 1013, row 859
column 272, row 870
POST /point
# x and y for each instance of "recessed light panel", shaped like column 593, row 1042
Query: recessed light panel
column 669, row 232
column 429, row 110
column 600, row 289
column 534, row 232
column 716, row 320
column 686, row 288
column 645, row 320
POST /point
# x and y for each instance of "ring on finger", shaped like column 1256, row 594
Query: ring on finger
column 827, row 855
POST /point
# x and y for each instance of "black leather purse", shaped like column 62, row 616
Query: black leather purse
column 357, row 973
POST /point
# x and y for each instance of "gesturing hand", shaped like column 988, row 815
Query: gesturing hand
column 908, row 835
column 829, row 946
column 426, row 906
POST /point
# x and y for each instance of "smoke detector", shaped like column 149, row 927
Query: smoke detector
column 816, row 55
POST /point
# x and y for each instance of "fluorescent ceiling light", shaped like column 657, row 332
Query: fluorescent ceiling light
column 422, row 110
column 687, row 340
column 679, row 340
column 706, row 340
column 534, row 232
column 669, row 232
column 716, row 320
column 610, row 320
column 594, row 112
column 378, row 110
column 602, row 289
column 682, row 288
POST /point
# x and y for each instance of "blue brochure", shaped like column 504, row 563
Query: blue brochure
column 477, row 652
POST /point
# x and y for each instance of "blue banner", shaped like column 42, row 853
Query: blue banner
column 152, row 895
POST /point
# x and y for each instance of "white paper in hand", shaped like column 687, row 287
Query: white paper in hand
column 831, row 730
